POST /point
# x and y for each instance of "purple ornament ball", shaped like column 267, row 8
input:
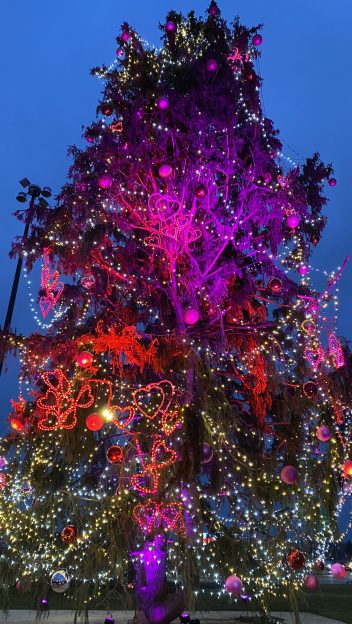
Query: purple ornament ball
column 332, row 182
column 293, row 220
column 119, row 52
column 191, row 316
column 213, row 11
column 267, row 177
column 207, row 453
column 165, row 170
column 323, row 433
column 303, row 269
column 162, row 103
column 338, row 570
column 105, row 181
column 125, row 36
column 233, row 585
column 212, row 65
column 289, row 475
column 170, row 26
column 257, row 40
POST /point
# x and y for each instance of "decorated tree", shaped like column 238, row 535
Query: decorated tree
column 184, row 410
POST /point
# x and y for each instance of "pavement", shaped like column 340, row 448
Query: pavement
column 122, row 617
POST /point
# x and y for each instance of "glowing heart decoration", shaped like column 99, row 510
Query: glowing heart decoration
column 153, row 399
column 314, row 356
column 152, row 515
column 59, row 405
column 145, row 482
column 170, row 422
column 162, row 456
column 335, row 351
column 123, row 415
column 49, row 283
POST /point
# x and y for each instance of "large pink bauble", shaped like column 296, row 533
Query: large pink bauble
column 289, row 475
column 293, row 220
column 323, row 433
column 190, row 316
column 233, row 585
column 162, row 103
column 170, row 26
column 303, row 269
column 105, row 181
column 311, row 582
column 332, row 182
column 257, row 40
column 125, row 36
column 84, row 359
column 207, row 453
column 338, row 570
column 165, row 170
column 212, row 65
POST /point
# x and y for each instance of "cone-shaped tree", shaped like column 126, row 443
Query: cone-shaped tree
column 176, row 395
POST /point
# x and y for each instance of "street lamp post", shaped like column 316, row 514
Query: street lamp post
column 36, row 193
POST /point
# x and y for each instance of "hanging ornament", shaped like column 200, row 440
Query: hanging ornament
column 293, row 220
column 212, row 65
column 289, row 475
column 206, row 453
column 335, row 351
column 338, row 570
column 233, row 585
column 302, row 269
column 170, row 26
column 323, row 433
column 314, row 355
column 59, row 581
column 311, row 582
column 165, row 170
column 69, row 534
column 347, row 469
column 190, row 316
column 114, row 454
column 213, row 10
column 120, row 52
column 94, row 422
column 295, row 559
column 310, row 389
column 267, row 177
column 275, row 285
column 87, row 281
column 162, row 103
column 125, row 36
column 105, row 181
column 84, row 359
column 308, row 326
column 319, row 566
column 50, row 284
column 332, row 182
column 2, row 480
column 17, row 423
column 200, row 191
column 257, row 40
column 107, row 109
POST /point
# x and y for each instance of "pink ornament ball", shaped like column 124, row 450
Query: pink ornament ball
column 119, row 52
column 84, row 359
column 311, row 582
column 233, row 585
column 303, row 269
column 125, row 36
column 170, row 26
column 289, row 475
column 267, row 177
column 212, row 65
column 207, row 453
column 338, row 570
column 191, row 316
column 323, row 433
column 332, row 182
column 94, row 422
column 105, row 181
column 162, row 103
column 293, row 220
column 165, row 170
column 257, row 40
column 213, row 11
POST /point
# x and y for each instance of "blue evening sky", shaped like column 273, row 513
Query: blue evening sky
column 48, row 47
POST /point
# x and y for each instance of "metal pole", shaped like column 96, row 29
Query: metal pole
column 16, row 280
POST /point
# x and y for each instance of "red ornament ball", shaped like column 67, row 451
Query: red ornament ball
column 165, row 170
column 289, row 475
column 347, row 469
column 94, row 422
column 191, row 316
column 338, row 570
column 107, row 109
column 295, row 560
column 257, row 40
column 275, row 285
column 310, row 389
column 212, row 65
column 17, row 424
column 323, row 433
column 311, row 582
column 200, row 191
column 170, row 26
column 332, row 182
column 105, row 181
column 293, row 220
column 207, row 453
column 84, row 359
column 233, row 585
column 69, row 534
column 114, row 454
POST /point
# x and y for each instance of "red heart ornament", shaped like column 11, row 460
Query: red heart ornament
column 172, row 515
column 170, row 422
column 162, row 456
column 146, row 515
column 126, row 415
column 145, row 482
column 153, row 399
